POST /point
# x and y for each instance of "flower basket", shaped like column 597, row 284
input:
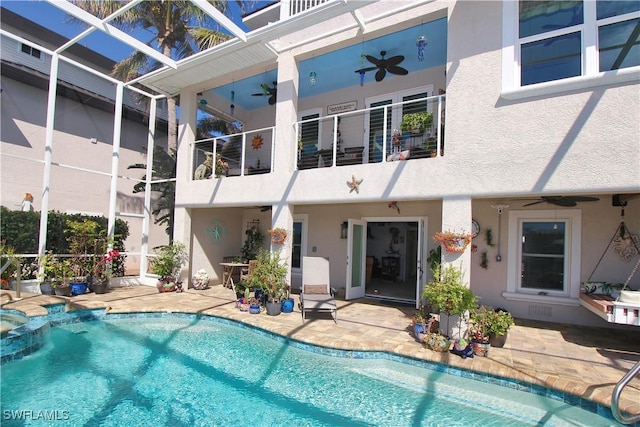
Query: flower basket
column 278, row 235
column 453, row 242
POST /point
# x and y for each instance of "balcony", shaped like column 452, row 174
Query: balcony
column 368, row 136
column 279, row 11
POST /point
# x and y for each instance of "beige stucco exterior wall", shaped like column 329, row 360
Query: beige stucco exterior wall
column 22, row 152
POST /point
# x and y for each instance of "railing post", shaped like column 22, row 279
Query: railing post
column 615, row 397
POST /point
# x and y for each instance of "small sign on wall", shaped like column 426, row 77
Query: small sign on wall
column 342, row 108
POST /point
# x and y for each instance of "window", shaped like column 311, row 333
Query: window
column 298, row 242
column 555, row 41
column 296, row 245
column 31, row 51
column 544, row 254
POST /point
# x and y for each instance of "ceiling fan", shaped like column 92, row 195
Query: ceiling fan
column 269, row 91
column 565, row 201
column 384, row 65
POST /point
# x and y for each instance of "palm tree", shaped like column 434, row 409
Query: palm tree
column 179, row 29
column 164, row 168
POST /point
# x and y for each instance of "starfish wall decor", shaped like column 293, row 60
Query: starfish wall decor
column 354, row 184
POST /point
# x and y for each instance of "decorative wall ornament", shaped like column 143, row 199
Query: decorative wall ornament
column 257, row 141
column 394, row 205
column 354, row 184
column 626, row 247
column 216, row 231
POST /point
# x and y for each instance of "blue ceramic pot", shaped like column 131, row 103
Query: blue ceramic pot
column 254, row 309
column 287, row 305
column 78, row 288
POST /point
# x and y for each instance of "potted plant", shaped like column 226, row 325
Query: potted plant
column 278, row 235
column 488, row 327
column 417, row 122
column 252, row 245
column 101, row 273
column 82, row 237
column 62, row 275
column 453, row 242
column 421, row 322
column 47, row 273
column 270, row 275
column 167, row 265
column 448, row 294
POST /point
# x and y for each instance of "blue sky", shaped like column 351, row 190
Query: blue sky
column 56, row 20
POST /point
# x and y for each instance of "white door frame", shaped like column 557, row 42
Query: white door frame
column 357, row 291
column 422, row 252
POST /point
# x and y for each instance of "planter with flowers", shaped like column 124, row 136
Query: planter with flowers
column 453, row 242
column 101, row 273
column 278, row 235
column 489, row 327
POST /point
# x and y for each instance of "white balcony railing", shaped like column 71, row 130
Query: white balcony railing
column 371, row 135
column 246, row 153
column 366, row 136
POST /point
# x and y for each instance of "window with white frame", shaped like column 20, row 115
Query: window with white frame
column 298, row 242
column 558, row 40
column 544, row 253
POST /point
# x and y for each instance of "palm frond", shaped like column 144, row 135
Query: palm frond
column 206, row 37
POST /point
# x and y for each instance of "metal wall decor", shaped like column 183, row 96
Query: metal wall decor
column 216, row 231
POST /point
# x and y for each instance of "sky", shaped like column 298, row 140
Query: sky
column 56, row 20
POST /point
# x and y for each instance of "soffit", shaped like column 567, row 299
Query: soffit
column 223, row 61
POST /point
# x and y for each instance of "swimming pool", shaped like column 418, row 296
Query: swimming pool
column 200, row 371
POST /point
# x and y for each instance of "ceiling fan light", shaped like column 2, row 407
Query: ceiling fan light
column 421, row 43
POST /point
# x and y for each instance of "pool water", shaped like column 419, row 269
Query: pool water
column 190, row 372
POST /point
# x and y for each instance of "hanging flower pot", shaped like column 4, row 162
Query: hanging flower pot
column 278, row 235
column 453, row 242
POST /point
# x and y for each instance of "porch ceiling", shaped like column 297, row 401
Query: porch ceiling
column 224, row 60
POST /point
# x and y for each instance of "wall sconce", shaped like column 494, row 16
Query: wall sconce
column 344, row 229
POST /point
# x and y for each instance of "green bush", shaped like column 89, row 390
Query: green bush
column 21, row 231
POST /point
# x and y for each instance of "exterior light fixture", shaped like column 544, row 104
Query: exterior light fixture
column 421, row 43
column 344, row 227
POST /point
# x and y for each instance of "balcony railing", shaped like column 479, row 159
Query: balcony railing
column 240, row 154
column 297, row 6
column 371, row 135
column 368, row 136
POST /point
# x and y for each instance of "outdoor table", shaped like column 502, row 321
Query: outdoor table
column 230, row 268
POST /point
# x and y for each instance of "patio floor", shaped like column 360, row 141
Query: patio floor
column 583, row 361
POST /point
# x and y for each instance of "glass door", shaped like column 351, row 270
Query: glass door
column 356, row 251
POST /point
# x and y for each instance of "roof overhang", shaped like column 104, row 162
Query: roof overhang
column 236, row 55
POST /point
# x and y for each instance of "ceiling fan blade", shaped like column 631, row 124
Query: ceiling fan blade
column 366, row 69
column 374, row 60
column 272, row 99
column 258, row 94
column 567, row 203
column 534, row 203
column 380, row 74
column 581, row 198
column 395, row 60
column 393, row 69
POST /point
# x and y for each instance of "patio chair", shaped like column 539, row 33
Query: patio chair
column 316, row 293
column 245, row 274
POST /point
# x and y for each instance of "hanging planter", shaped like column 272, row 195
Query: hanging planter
column 453, row 242
column 278, row 235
